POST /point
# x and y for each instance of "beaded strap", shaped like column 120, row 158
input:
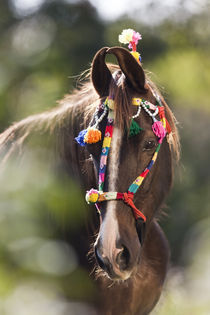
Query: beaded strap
column 159, row 128
column 95, row 196
column 138, row 181
column 105, row 150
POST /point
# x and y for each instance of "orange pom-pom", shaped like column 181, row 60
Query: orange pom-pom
column 93, row 135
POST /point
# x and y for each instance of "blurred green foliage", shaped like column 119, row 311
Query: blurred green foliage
column 40, row 53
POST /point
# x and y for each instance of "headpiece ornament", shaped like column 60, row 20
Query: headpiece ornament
column 92, row 134
column 130, row 37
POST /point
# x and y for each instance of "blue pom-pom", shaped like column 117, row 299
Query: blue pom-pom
column 80, row 138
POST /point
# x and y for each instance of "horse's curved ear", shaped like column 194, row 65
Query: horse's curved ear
column 133, row 71
column 100, row 74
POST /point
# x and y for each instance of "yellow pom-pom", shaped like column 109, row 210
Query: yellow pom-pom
column 93, row 135
column 110, row 104
column 92, row 196
column 136, row 55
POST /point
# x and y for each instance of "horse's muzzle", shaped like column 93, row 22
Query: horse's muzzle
column 118, row 267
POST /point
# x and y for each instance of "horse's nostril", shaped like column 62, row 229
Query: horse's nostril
column 123, row 258
column 99, row 258
column 104, row 263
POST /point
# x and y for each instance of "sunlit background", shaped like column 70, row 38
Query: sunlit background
column 44, row 44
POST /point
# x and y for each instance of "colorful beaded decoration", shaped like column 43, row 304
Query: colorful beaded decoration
column 159, row 128
column 106, row 145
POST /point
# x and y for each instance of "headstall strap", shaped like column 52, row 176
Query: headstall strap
column 92, row 135
column 106, row 143
column 94, row 196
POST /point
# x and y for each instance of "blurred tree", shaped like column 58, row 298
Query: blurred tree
column 41, row 51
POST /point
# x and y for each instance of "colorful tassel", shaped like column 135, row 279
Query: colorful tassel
column 134, row 128
column 159, row 130
column 168, row 127
column 129, row 36
column 92, row 135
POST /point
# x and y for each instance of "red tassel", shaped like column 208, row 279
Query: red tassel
column 162, row 115
column 168, row 127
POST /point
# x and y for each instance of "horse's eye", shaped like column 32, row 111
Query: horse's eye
column 149, row 145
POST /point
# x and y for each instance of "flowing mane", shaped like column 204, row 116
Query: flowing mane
column 81, row 102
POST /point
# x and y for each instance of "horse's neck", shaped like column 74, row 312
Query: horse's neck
column 139, row 294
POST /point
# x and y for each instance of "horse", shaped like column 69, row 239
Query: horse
column 130, row 259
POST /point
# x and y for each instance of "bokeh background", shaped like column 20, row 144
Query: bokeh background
column 44, row 45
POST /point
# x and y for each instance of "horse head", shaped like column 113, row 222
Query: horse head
column 123, row 230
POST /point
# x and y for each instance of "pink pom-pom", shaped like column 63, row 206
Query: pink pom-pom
column 136, row 37
column 159, row 130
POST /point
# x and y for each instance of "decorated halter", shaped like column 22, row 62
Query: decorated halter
column 92, row 134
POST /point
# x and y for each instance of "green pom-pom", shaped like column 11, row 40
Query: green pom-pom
column 134, row 128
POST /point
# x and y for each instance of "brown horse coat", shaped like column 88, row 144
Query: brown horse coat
column 148, row 261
